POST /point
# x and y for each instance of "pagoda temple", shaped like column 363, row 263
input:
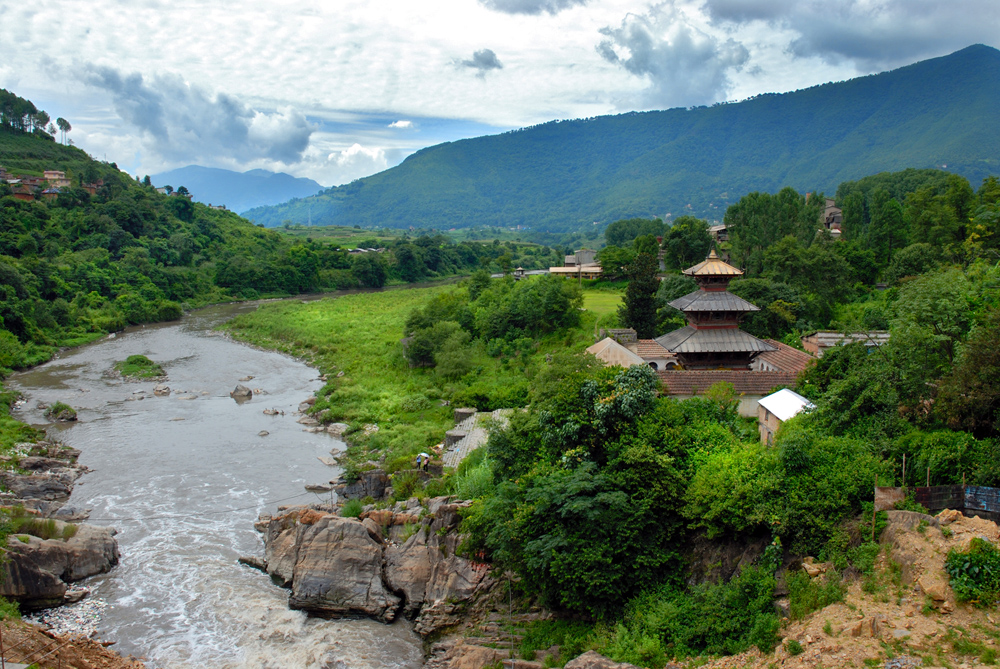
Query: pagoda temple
column 713, row 339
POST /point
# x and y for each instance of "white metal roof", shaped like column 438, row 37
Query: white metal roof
column 785, row 403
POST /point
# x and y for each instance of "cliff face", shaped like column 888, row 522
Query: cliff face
column 386, row 563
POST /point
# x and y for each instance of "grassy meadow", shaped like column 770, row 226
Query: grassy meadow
column 360, row 334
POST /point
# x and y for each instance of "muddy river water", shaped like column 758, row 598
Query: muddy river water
column 182, row 478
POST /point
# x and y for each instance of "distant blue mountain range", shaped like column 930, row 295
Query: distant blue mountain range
column 239, row 191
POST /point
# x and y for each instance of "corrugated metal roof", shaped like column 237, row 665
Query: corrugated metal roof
column 612, row 353
column 724, row 340
column 713, row 266
column 703, row 300
column 785, row 403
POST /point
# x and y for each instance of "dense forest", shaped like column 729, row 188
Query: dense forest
column 562, row 175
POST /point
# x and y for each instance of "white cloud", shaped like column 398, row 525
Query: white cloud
column 356, row 154
column 401, row 124
column 683, row 63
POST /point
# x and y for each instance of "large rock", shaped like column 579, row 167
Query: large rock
column 37, row 570
column 371, row 483
column 337, row 566
column 241, row 393
column 338, row 570
column 593, row 660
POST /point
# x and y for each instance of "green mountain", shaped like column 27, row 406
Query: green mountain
column 238, row 191
column 560, row 175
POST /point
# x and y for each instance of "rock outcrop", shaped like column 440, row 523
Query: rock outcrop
column 371, row 483
column 36, row 571
column 386, row 563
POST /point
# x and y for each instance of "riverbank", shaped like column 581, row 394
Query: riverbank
column 394, row 410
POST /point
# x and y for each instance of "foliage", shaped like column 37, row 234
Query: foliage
column 687, row 242
column 623, row 232
column 638, row 310
column 139, row 367
column 975, row 574
column 969, row 396
column 806, row 594
column 352, row 508
column 60, row 411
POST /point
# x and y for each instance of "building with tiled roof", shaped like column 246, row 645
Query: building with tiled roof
column 750, row 386
column 783, row 359
column 653, row 354
column 713, row 339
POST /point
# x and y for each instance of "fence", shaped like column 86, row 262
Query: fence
column 971, row 500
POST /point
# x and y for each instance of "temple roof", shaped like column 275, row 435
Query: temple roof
column 713, row 266
column 701, row 300
column 723, row 340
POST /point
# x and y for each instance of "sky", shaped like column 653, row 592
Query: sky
column 341, row 89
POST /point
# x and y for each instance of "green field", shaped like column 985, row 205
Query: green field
column 359, row 335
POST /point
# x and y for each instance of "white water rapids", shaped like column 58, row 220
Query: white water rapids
column 182, row 478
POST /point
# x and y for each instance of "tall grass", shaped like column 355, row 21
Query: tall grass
column 360, row 334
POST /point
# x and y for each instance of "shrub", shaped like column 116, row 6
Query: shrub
column 9, row 610
column 794, row 647
column 975, row 574
column 352, row 508
column 806, row 594
column 138, row 367
column 60, row 411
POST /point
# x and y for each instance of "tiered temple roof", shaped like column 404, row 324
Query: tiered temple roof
column 713, row 339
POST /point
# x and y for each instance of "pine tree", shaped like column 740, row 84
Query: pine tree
column 639, row 308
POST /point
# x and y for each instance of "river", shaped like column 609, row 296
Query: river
column 182, row 478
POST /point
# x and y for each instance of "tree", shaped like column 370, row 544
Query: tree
column 64, row 127
column 182, row 190
column 638, row 310
column 368, row 269
column 614, row 261
column 621, row 233
column 969, row 398
column 686, row 242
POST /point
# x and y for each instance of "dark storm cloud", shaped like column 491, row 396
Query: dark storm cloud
column 483, row 61
column 530, row 6
column 185, row 122
column 684, row 65
column 872, row 35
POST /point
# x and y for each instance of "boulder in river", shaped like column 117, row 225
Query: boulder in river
column 36, row 571
column 342, row 566
column 241, row 393
column 161, row 390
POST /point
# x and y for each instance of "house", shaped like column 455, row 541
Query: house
column 776, row 408
column 833, row 217
column 22, row 191
column 580, row 271
column 581, row 257
column 56, row 178
column 750, row 386
column 783, row 359
column 613, row 354
column 818, row 342
column 50, row 194
column 720, row 233
column 652, row 354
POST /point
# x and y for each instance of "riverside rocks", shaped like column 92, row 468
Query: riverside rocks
column 381, row 565
column 37, row 570
column 371, row 483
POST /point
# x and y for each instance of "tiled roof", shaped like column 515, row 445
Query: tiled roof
column 702, row 300
column 649, row 348
column 612, row 353
column 697, row 381
column 724, row 340
column 713, row 266
column 786, row 358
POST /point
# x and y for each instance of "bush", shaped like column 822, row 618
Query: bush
column 139, row 367
column 60, row 411
column 975, row 574
column 352, row 508
column 806, row 594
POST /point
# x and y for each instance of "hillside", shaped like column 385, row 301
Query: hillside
column 238, row 191
column 564, row 174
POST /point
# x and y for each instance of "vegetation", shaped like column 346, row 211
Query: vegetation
column 975, row 574
column 139, row 367
column 564, row 175
column 60, row 411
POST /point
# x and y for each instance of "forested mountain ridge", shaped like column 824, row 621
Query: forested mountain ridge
column 239, row 191
column 559, row 175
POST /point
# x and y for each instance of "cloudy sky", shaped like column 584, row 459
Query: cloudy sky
column 340, row 89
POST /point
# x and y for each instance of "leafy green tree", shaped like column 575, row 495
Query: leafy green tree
column 369, row 270
column 638, row 310
column 614, row 261
column 969, row 395
column 686, row 242
column 621, row 233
